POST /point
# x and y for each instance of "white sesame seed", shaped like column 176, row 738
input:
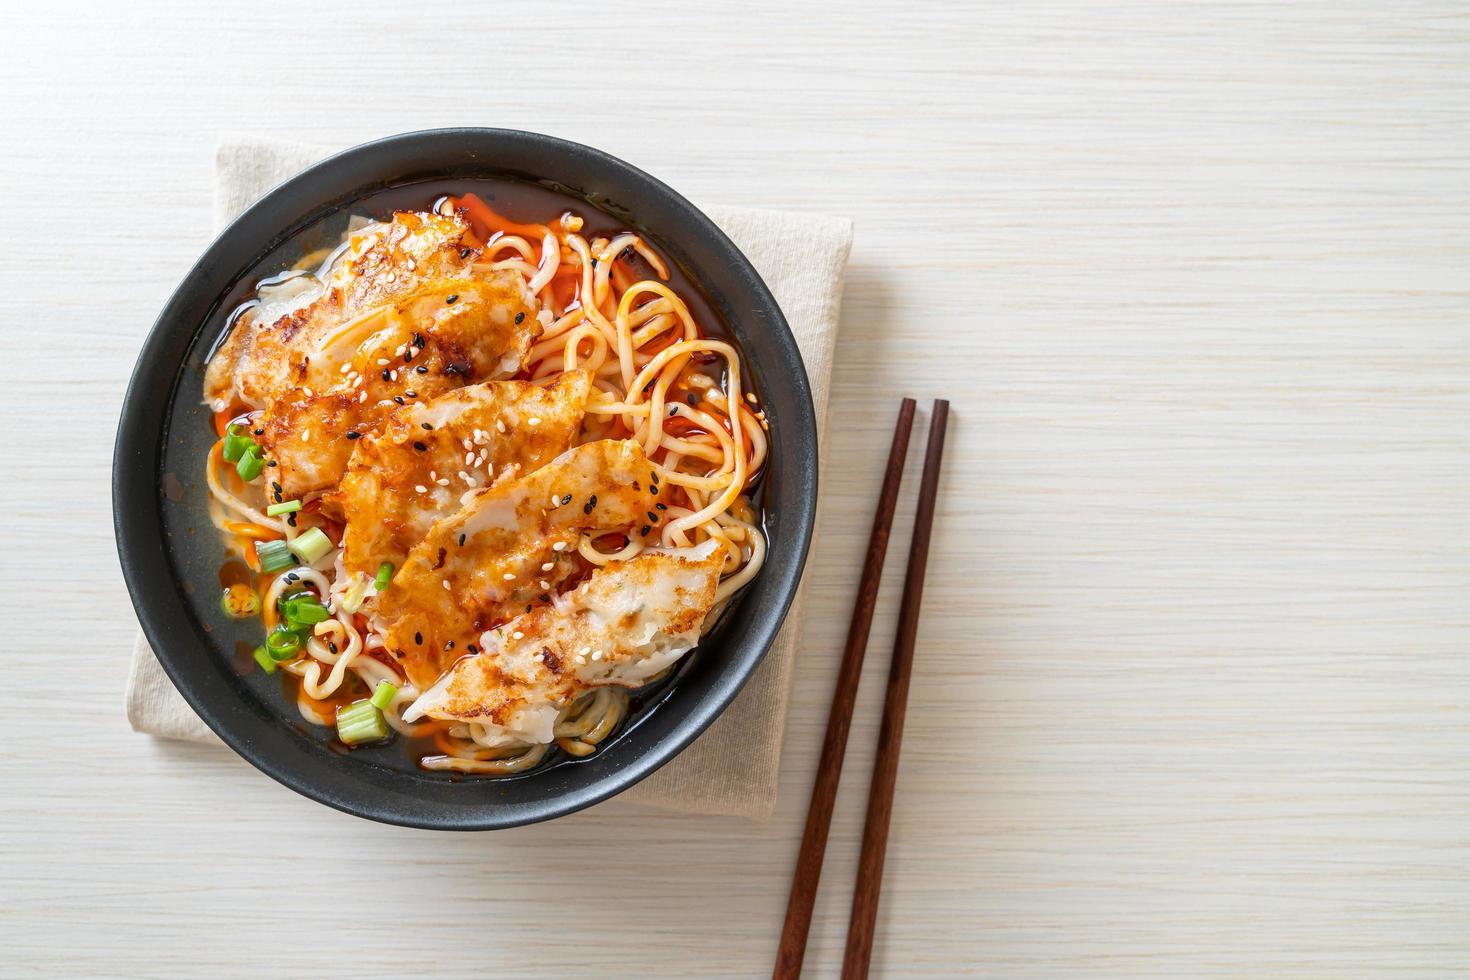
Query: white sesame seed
column 548, row 566
column 559, row 546
column 555, row 501
column 433, row 475
column 509, row 577
column 467, row 444
column 393, row 375
column 750, row 397
column 306, row 435
column 421, row 488
column 362, row 397
column 401, row 348
column 345, row 368
column 382, row 362
column 544, row 584
column 446, row 584
column 499, row 425
column 358, row 382
column 469, row 459
column 533, row 420
column 538, row 657
column 308, row 392
column 518, row 635
column 443, row 481
column 596, row 654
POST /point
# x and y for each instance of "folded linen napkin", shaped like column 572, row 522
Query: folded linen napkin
column 733, row 767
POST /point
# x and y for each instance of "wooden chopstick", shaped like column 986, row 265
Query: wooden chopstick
column 865, row 890
column 819, row 816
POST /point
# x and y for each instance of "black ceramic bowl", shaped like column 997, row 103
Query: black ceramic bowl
column 170, row 553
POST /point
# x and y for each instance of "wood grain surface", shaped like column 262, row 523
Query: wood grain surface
column 1192, row 696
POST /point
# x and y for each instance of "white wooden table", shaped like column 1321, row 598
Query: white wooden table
column 1193, row 690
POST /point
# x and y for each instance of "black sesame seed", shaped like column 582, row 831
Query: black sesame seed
column 461, row 540
column 398, row 399
column 386, row 375
column 644, row 529
column 275, row 486
column 653, row 517
column 426, row 426
column 260, row 432
column 520, row 317
column 543, row 597
column 270, row 462
column 418, row 638
column 354, row 435
column 451, row 298
column 567, row 499
column 291, row 520
column 465, row 253
column 331, row 646
column 449, row 645
column 411, row 393
column 693, row 398
column 653, row 490
column 422, row 369
column 653, row 477
column 420, row 447
column 472, row 648
column 591, row 503
column 660, row 507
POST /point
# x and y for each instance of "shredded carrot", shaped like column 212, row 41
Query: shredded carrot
column 254, row 532
column 487, row 221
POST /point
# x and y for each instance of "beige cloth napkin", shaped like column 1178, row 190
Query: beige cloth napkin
column 732, row 768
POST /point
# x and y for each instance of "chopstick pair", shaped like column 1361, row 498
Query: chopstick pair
column 863, row 918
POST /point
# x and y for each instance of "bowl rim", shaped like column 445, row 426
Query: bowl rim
column 137, row 501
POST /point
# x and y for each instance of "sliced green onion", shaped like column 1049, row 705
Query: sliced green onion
column 283, row 643
column 383, row 695
column 263, row 657
column 302, row 610
column 311, row 545
column 250, row 464
column 239, row 601
column 384, row 576
column 288, row 507
column 275, row 556
column 361, row 722
column 236, row 444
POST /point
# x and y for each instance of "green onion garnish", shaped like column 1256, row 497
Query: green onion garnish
column 239, row 601
column 263, row 657
column 383, row 695
column 283, row 643
column 275, row 556
column 250, row 464
column 236, row 444
column 361, row 722
column 288, row 507
column 384, row 576
column 311, row 545
column 302, row 610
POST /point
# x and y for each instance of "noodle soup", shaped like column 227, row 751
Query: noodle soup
column 483, row 471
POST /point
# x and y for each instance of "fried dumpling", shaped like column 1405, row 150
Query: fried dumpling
column 627, row 623
column 446, row 334
column 414, row 470
column 384, row 262
column 506, row 549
